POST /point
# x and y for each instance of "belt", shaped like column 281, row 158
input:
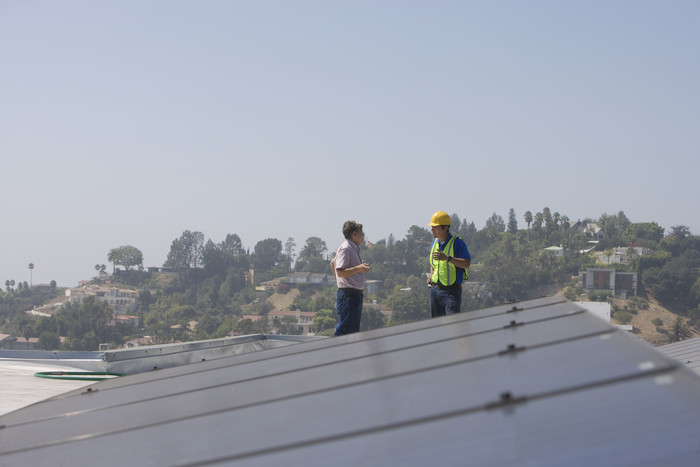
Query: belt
column 350, row 289
column 447, row 287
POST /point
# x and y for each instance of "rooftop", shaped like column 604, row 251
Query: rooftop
column 541, row 382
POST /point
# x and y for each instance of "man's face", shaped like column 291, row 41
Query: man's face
column 358, row 237
column 439, row 231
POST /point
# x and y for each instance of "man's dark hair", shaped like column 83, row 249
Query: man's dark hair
column 350, row 227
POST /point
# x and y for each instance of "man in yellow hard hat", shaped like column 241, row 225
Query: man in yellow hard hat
column 449, row 260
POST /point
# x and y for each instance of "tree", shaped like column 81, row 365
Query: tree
column 49, row 341
column 410, row 304
column 495, row 223
column 267, row 254
column 613, row 225
column 528, row 219
column 126, row 256
column 650, row 231
column 549, row 223
column 410, row 255
column 214, row 259
column 537, row 223
column 456, row 223
column 287, row 326
column 289, row 246
column 680, row 232
column 245, row 326
column 311, row 258
column 494, row 226
column 232, row 245
column 324, row 320
column 86, row 324
column 208, row 325
column 218, row 259
column 313, row 248
column 372, row 318
column 565, row 223
column 680, row 331
column 186, row 252
column 407, row 306
column 23, row 326
column 512, row 222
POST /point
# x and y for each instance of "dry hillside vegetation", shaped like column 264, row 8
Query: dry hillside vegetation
column 283, row 301
column 644, row 327
column 642, row 321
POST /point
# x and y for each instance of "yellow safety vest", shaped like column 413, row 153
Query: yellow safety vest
column 444, row 272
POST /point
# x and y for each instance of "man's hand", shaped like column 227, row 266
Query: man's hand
column 439, row 256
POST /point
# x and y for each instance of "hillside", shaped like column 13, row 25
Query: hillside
column 283, row 301
column 642, row 322
column 649, row 332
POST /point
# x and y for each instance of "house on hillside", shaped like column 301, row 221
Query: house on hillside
column 10, row 342
column 7, row 341
column 372, row 286
column 556, row 250
column 308, row 278
column 43, row 288
column 160, row 270
column 304, row 319
column 621, row 255
column 479, row 289
column 122, row 301
column 128, row 320
column 619, row 283
column 590, row 230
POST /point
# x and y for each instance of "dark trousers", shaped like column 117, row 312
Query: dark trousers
column 446, row 300
column 348, row 305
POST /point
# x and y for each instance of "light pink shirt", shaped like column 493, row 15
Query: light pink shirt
column 348, row 256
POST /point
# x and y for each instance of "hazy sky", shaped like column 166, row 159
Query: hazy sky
column 126, row 123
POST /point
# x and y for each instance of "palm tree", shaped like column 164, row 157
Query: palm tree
column 31, row 268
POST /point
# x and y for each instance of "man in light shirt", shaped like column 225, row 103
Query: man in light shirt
column 349, row 273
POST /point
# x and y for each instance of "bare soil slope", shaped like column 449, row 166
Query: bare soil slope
column 645, row 329
column 283, row 301
column 642, row 322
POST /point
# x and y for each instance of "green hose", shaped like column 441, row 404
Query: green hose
column 77, row 375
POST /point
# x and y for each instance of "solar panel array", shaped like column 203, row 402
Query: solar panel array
column 687, row 352
column 536, row 383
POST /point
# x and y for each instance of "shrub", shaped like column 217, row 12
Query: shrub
column 570, row 294
column 622, row 317
column 640, row 303
column 658, row 322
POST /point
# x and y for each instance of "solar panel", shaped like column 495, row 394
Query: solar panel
column 686, row 352
column 540, row 382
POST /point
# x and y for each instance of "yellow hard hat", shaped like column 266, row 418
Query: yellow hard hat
column 440, row 218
